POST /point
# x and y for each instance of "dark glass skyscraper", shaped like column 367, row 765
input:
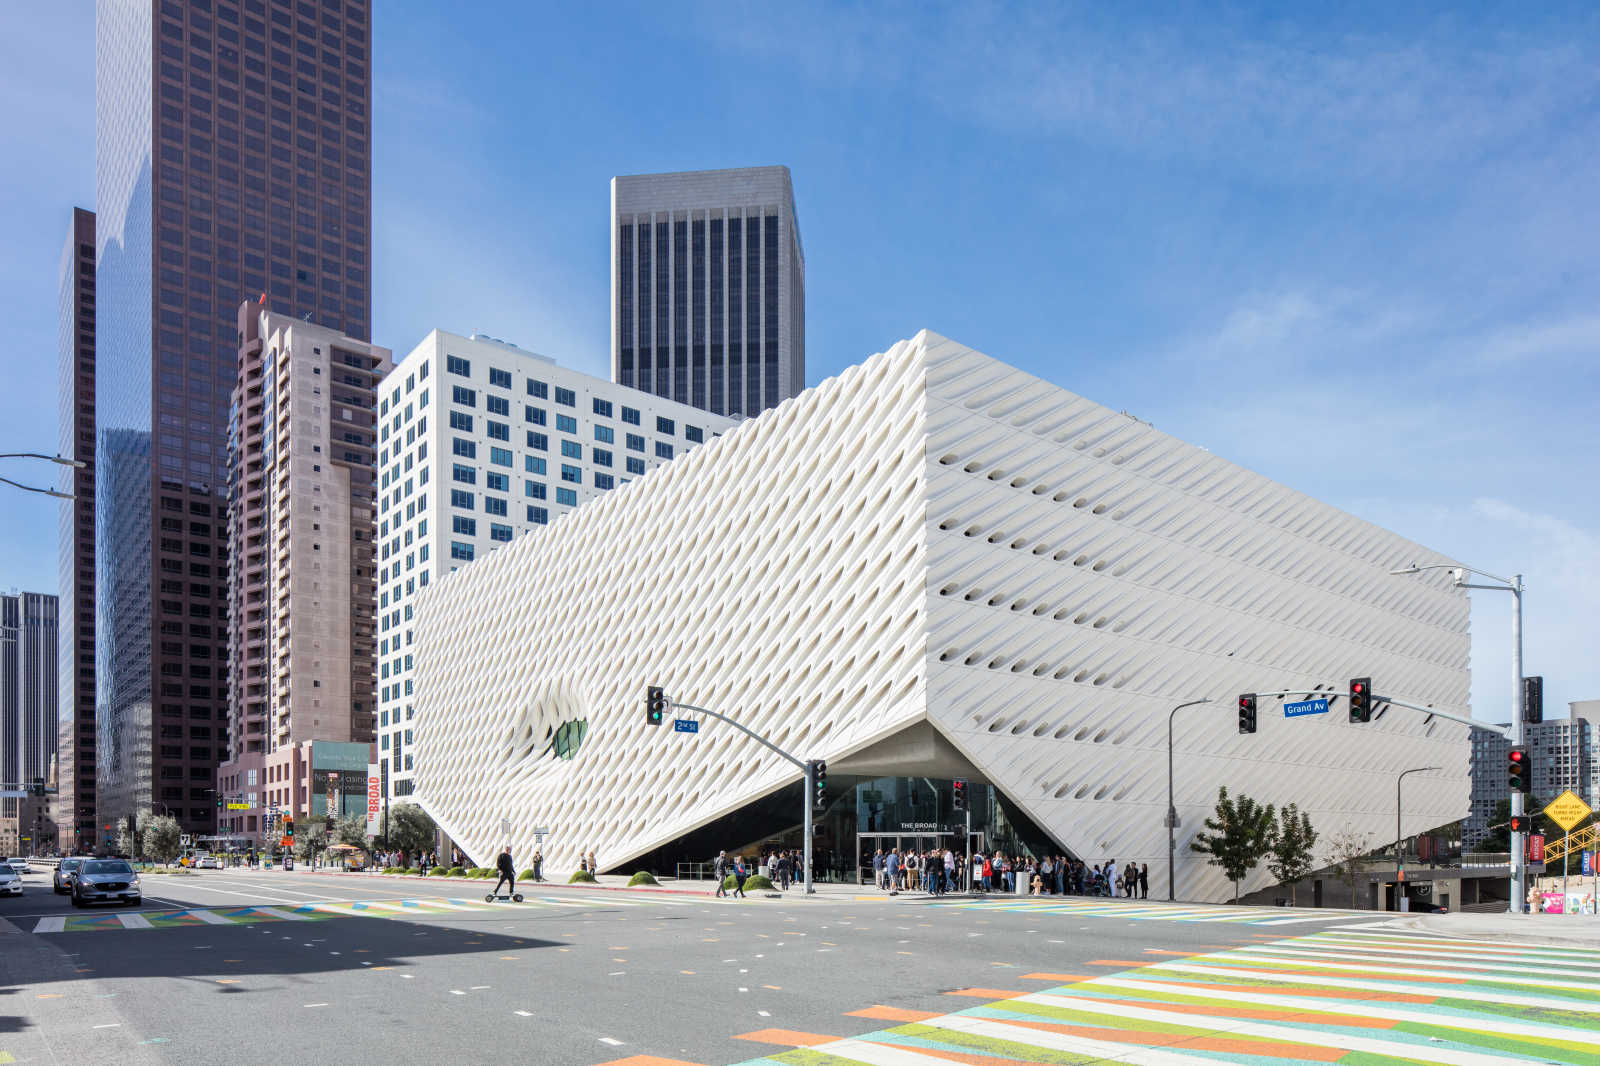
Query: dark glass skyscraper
column 232, row 148
column 708, row 290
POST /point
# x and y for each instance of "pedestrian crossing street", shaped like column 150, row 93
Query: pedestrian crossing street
column 431, row 906
column 1142, row 910
column 1360, row 997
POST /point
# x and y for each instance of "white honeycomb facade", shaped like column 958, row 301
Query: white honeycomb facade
column 935, row 535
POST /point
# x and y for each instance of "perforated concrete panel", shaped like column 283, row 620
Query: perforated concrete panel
column 934, row 534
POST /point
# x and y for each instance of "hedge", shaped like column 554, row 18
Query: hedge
column 581, row 875
column 456, row 871
column 437, row 871
column 643, row 877
column 526, row 875
column 753, row 883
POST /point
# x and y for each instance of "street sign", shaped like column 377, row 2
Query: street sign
column 505, row 825
column 1567, row 810
column 240, row 806
column 871, row 795
column 1305, row 707
column 685, row 725
column 183, row 839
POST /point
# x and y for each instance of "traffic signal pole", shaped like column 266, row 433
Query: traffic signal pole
column 805, row 772
column 1172, row 810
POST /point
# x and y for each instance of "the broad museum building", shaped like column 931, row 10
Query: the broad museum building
column 931, row 567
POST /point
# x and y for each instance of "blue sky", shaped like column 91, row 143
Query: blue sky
column 1353, row 247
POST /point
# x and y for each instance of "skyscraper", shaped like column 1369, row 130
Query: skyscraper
column 75, row 741
column 708, row 296
column 231, row 163
column 28, row 641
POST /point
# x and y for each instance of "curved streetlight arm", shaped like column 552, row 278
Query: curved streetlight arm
column 747, row 732
column 1172, row 811
column 1466, row 571
column 52, row 458
column 1399, row 839
column 47, row 492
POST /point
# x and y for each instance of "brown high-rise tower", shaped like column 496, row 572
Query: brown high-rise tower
column 232, row 148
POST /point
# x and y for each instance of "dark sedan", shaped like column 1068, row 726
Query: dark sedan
column 105, row 881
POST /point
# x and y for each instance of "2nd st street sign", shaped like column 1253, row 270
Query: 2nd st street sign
column 685, row 725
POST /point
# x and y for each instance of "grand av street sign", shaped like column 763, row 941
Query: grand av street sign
column 1305, row 707
column 1567, row 810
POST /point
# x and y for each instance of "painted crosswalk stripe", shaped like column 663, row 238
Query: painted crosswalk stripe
column 55, row 923
column 205, row 916
column 134, row 921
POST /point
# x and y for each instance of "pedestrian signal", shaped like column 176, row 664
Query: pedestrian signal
column 1521, row 823
column 1519, row 770
column 655, row 705
column 1247, row 713
column 958, row 794
column 1361, row 699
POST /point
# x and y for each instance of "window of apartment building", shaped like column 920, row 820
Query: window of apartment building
column 694, row 433
column 465, row 448
column 538, row 389
column 496, row 482
column 572, row 449
column 500, row 379
column 460, row 551
column 573, row 474
column 538, row 441
column 635, row 466
column 467, row 475
column 566, row 397
column 538, row 515
column 461, row 499
column 464, row 397
column 465, row 526
column 497, row 405
column 566, row 424
column 532, row 464
column 494, row 505
column 635, row 442
column 456, row 365
column 497, row 430
column 533, row 489
column 461, row 421
column 663, row 450
column 606, row 434
column 533, row 414
column 567, row 497
column 499, row 532
column 602, row 407
column 601, row 457
column 667, row 426
column 604, row 481
column 630, row 415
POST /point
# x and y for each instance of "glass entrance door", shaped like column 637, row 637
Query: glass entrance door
column 868, row 845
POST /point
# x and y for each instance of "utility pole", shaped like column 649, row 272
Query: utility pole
column 1172, row 810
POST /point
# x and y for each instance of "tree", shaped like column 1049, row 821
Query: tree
column 310, row 837
column 1347, row 854
column 351, row 830
column 130, row 834
column 163, row 838
column 1294, row 849
column 1242, row 833
column 407, row 826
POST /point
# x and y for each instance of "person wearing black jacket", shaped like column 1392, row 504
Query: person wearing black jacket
column 507, row 869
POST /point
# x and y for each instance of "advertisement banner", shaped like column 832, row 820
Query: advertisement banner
column 374, row 799
column 1536, row 847
column 1588, row 864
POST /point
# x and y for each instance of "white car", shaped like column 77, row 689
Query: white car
column 10, row 881
column 208, row 863
column 19, row 864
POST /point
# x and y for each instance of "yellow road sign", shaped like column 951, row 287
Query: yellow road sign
column 1567, row 810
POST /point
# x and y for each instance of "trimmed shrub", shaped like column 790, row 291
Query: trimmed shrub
column 581, row 875
column 437, row 871
column 526, row 875
column 758, row 883
column 643, row 877
column 456, row 871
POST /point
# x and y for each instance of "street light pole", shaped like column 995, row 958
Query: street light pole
column 1172, row 810
column 1399, row 872
column 1513, row 585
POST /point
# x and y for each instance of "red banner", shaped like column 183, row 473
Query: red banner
column 1536, row 847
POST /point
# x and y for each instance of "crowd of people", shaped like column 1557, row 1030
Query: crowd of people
column 942, row 870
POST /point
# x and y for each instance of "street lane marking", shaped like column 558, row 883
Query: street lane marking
column 110, row 1025
column 284, row 915
column 56, row 923
column 786, row 1037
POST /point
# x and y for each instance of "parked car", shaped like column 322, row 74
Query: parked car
column 10, row 881
column 62, row 879
column 208, row 862
column 105, row 881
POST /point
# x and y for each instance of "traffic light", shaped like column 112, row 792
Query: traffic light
column 1361, row 699
column 1247, row 713
column 819, row 785
column 655, row 705
column 958, row 794
column 1533, row 700
column 1519, row 770
column 1522, row 823
column 288, row 829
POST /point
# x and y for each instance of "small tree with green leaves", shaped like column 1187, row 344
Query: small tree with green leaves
column 1242, row 834
column 130, row 834
column 1293, row 850
column 351, row 830
column 310, row 837
column 407, row 826
column 163, row 838
column 1348, row 851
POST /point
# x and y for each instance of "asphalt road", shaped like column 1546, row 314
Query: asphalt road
column 571, row 977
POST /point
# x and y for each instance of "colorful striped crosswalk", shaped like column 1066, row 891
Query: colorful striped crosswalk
column 1359, row 997
column 1142, row 910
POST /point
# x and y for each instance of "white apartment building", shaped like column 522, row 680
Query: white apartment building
column 481, row 442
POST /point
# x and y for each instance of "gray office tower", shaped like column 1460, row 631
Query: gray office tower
column 232, row 143
column 28, row 640
column 708, row 290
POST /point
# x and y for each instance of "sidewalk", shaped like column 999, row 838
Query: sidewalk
column 1566, row 930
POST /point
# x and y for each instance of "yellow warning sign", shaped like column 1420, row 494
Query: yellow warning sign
column 1567, row 810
